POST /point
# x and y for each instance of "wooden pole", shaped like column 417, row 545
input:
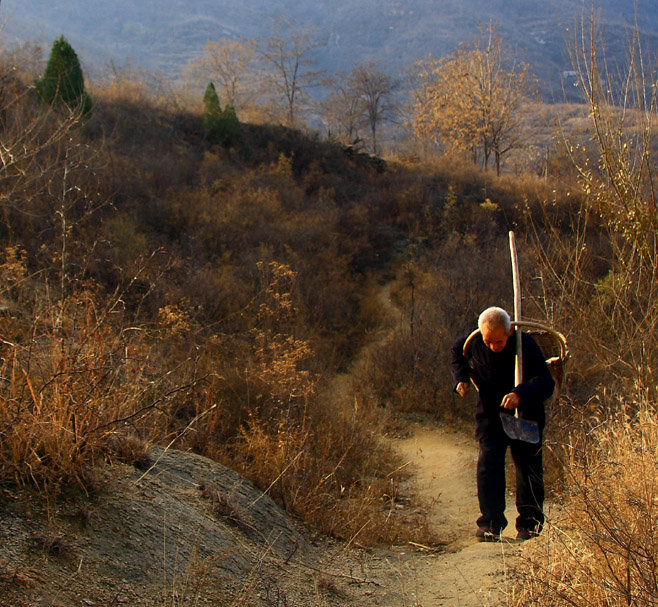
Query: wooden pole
column 518, row 366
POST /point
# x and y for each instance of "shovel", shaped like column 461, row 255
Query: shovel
column 514, row 426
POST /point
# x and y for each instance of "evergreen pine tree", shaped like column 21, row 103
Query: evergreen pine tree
column 230, row 125
column 63, row 81
column 212, row 110
column 220, row 126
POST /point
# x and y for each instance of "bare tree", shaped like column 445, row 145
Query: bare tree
column 343, row 110
column 474, row 98
column 288, row 59
column 375, row 90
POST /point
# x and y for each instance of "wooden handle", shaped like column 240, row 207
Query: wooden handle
column 516, row 278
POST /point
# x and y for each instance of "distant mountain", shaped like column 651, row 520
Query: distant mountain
column 163, row 35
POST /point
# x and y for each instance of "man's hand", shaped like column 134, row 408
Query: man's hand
column 511, row 401
column 462, row 388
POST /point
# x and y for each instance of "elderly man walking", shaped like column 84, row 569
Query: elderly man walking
column 490, row 364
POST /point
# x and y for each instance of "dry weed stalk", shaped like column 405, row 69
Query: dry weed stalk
column 599, row 256
column 602, row 549
column 188, row 588
column 63, row 389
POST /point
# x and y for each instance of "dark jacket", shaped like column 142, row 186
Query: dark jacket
column 493, row 374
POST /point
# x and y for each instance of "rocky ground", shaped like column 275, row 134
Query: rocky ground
column 188, row 531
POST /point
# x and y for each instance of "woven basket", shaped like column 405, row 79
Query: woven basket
column 552, row 344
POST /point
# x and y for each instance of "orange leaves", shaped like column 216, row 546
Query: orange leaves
column 472, row 99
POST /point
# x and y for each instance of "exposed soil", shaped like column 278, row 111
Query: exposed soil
column 468, row 573
column 189, row 531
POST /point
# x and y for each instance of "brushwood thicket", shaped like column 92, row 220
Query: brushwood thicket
column 277, row 302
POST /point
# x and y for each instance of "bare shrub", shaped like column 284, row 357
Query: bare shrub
column 437, row 298
column 599, row 262
column 601, row 547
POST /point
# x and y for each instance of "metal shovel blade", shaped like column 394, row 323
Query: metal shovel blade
column 518, row 428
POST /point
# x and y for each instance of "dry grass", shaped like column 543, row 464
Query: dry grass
column 69, row 400
column 206, row 291
column 77, row 386
column 602, row 549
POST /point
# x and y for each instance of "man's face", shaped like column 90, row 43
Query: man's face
column 495, row 338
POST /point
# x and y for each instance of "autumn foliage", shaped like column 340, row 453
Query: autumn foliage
column 475, row 99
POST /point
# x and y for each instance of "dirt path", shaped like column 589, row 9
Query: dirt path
column 469, row 573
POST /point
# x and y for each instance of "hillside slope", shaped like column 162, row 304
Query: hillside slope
column 189, row 531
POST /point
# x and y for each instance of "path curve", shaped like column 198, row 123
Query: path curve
column 468, row 573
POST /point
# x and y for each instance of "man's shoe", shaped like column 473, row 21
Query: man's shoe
column 484, row 534
column 526, row 534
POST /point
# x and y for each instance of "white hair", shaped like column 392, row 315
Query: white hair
column 494, row 317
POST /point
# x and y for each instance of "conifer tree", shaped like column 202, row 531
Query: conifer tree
column 63, row 82
column 212, row 110
column 230, row 128
column 220, row 126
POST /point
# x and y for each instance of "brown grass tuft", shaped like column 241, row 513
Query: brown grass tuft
column 602, row 548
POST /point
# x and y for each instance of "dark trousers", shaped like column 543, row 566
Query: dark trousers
column 527, row 459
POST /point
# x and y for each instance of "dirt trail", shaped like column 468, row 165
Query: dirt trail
column 468, row 573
